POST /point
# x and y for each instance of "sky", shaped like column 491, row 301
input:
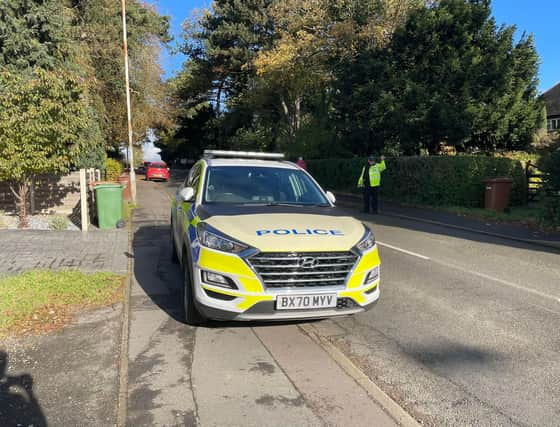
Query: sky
column 538, row 17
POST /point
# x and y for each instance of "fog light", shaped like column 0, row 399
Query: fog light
column 372, row 276
column 218, row 280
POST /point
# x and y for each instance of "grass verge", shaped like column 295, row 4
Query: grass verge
column 516, row 215
column 41, row 301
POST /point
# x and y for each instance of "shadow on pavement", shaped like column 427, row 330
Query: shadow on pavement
column 18, row 404
column 154, row 271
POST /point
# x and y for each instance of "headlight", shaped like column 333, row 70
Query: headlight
column 220, row 243
column 367, row 242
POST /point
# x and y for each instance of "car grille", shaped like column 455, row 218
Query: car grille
column 303, row 269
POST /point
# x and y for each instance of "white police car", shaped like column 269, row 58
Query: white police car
column 258, row 239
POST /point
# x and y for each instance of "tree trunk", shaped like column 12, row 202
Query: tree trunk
column 289, row 117
column 297, row 118
column 21, row 201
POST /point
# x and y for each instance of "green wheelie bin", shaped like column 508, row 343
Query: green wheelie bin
column 109, row 198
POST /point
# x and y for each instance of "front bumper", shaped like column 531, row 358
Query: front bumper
column 265, row 311
column 252, row 301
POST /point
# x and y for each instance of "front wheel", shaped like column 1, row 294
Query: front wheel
column 192, row 315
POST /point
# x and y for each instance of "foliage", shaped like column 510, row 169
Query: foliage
column 45, row 297
column 33, row 34
column 450, row 75
column 58, row 223
column 428, row 180
column 62, row 97
column 354, row 76
column 43, row 124
column 138, row 155
column 551, row 192
column 113, row 169
column 97, row 30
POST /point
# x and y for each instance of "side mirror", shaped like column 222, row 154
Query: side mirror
column 331, row 197
column 186, row 194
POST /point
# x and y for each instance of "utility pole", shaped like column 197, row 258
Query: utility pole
column 128, row 107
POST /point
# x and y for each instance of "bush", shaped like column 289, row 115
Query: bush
column 58, row 223
column 427, row 180
column 113, row 168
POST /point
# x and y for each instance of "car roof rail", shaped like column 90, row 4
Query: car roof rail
column 212, row 154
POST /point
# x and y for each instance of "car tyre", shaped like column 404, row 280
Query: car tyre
column 192, row 315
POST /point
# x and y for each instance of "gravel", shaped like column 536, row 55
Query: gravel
column 36, row 222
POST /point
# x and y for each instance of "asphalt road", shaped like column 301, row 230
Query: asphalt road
column 467, row 332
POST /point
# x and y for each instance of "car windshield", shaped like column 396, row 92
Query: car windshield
column 261, row 185
column 158, row 165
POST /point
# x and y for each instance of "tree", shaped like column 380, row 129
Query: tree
column 449, row 75
column 43, row 119
column 98, row 32
column 33, row 33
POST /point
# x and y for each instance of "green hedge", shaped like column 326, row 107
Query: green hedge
column 430, row 180
column 550, row 213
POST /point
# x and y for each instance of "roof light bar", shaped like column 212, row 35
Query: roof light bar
column 210, row 154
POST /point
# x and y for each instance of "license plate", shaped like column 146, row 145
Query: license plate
column 302, row 302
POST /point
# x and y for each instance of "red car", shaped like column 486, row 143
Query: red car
column 157, row 170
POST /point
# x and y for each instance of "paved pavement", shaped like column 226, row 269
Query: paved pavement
column 96, row 251
column 69, row 378
column 223, row 374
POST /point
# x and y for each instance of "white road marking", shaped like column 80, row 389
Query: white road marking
column 481, row 275
column 403, row 251
column 502, row 282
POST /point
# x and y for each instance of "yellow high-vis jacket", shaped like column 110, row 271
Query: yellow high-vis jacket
column 374, row 174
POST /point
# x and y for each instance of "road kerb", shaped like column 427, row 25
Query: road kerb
column 122, row 402
column 545, row 243
column 536, row 242
column 389, row 405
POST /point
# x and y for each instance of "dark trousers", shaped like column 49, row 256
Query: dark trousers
column 371, row 195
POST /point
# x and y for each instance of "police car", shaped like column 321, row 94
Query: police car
column 258, row 239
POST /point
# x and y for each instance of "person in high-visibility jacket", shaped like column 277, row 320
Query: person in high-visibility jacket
column 370, row 180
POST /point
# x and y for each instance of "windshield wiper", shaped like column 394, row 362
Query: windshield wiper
column 284, row 204
column 313, row 205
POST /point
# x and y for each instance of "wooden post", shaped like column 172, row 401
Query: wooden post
column 83, row 200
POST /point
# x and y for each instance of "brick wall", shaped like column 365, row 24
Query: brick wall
column 58, row 194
